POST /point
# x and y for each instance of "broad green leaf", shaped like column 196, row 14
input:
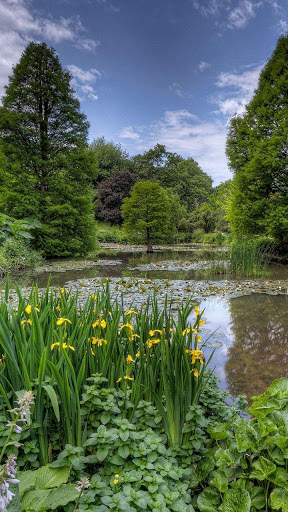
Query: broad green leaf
column 123, row 451
column 48, row 477
column 219, row 481
column 27, row 480
column 204, row 467
column 257, row 495
column 236, row 500
column 246, row 436
column 279, row 387
column 34, row 501
column 102, row 453
column 263, row 468
column 209, row 500
column 279, row 499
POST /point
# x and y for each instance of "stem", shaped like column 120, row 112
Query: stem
column 12, row 428
column 77, row 502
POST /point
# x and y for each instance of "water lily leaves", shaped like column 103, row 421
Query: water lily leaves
column 236, row 500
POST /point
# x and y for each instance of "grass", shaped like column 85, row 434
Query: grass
column 249, row 256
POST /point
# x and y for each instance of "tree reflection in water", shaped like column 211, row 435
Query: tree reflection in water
column 258, row 355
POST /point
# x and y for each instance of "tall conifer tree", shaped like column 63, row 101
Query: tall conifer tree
column 46, row 167
column 257, row 149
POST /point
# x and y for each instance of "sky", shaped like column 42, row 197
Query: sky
column 153, row 71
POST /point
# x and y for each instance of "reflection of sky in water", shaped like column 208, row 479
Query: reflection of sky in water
column 217, row 319
column 254, row 333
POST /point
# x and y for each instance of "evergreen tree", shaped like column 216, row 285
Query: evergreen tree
column 258, row 151
column 46, row 169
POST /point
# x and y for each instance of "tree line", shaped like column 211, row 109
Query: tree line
column 49, row 171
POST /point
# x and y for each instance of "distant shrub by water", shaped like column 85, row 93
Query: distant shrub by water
column 250, row 256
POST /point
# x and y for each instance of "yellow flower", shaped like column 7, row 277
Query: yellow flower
column 135, row 336
column 119, row 380
column 150, row 343
column 129, row 326
column 63, row 290
column 152, row 333
column 195, row 371
column 197, row 355
column 138, row 353
column 171, row 330
column 201, row 322
column 186, row 331
column 199, row 339
column 58, row 308
column 128, row 378
column 64, row 346
column 29, row 321
column 28, row 309
column 116, row 481
column 63, row 321
column 101, row 323
column 131, row 312
column 117, row 476
column 98, row 341
column 197, row 310
column 130, row 359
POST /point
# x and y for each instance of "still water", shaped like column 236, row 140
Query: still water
column 253, row 329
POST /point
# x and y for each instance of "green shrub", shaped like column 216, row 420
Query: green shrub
column 16, row 254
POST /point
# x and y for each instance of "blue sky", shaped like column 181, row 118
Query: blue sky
column 148, row 71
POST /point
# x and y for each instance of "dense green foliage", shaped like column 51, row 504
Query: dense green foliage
column 257, row 152
column 184, row 177
column 110, row 158
column 147, row 212
column 45, row 168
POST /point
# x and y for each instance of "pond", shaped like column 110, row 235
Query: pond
column 247, row 317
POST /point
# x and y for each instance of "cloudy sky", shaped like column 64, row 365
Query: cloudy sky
column 148, row 71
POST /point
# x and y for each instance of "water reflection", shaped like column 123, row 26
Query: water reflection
column 259, row 336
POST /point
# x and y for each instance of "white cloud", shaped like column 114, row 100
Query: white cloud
column 82, row 80
column 177, row 89
column 234, row 14
column 283, row 25
column 237, row 90
column 241, row 15
column 245, row 82
column 184, row 133
column 19, row 24
column 203, row 65
column 128, row 133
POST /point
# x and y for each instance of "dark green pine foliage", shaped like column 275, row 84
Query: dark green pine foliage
column 257, row 149
column 46, row 169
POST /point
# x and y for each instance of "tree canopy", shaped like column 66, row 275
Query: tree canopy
column 184, row 176
column 45, row 166
column 111, row 193
column 257, row 150
column 147, row 212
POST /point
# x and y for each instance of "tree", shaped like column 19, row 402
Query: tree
column 185, row 177
column 110, row 158
column 111, row 193
column 147, row 212
column 257, row 150
column 45, row 167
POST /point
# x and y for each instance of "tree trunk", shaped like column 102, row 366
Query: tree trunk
column 149, row 244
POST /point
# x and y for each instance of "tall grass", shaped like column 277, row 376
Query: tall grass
column 249, row 256
column 51, row 345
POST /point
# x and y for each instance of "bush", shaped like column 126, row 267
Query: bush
column 250, row 256
column 16, row 254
